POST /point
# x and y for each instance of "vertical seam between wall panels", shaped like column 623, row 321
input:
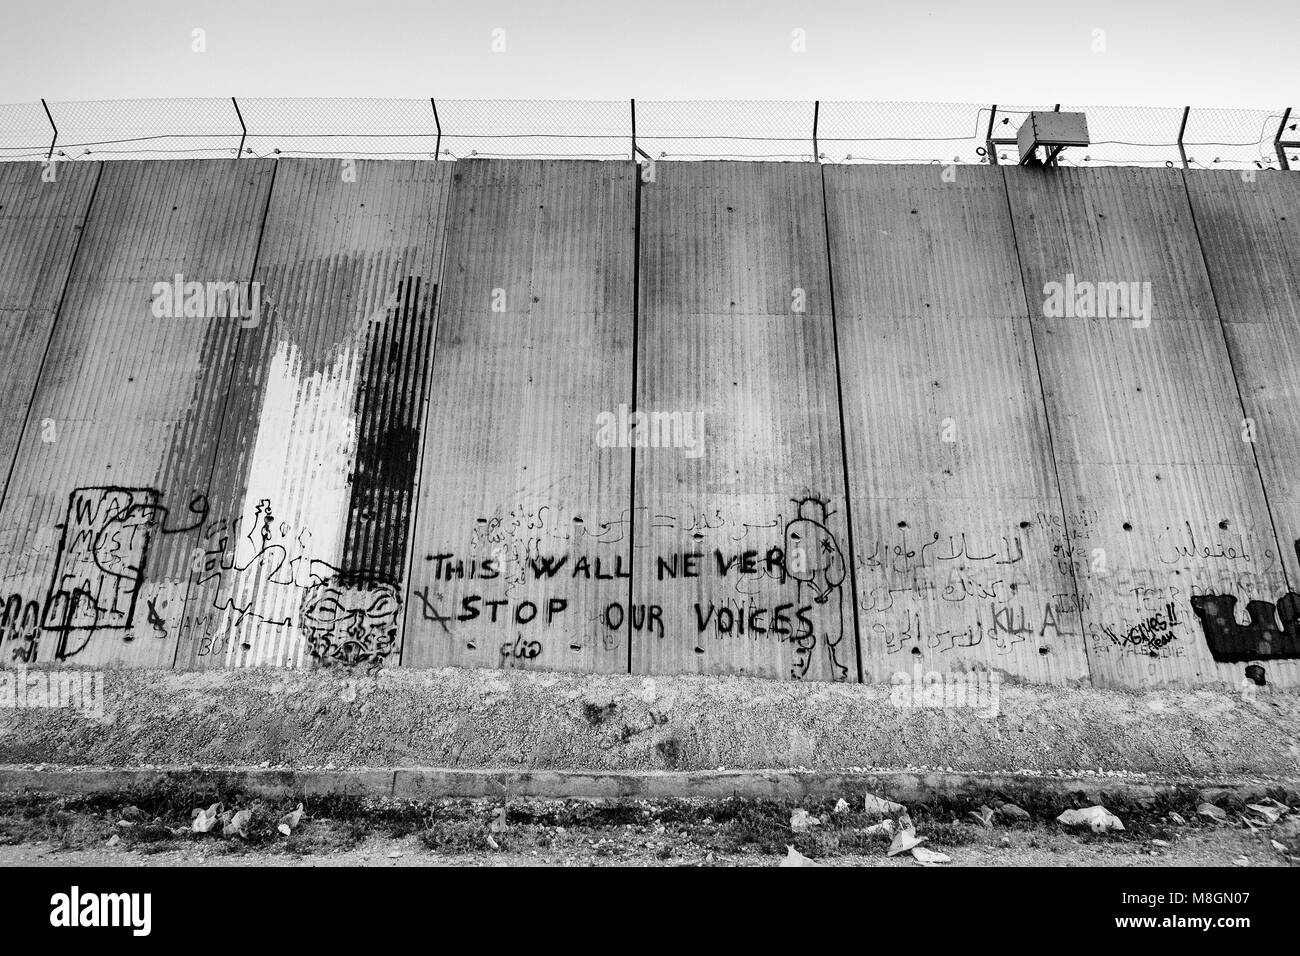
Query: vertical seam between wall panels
column 1241, row 401
column 49, row 341
column 636, row 340
column 839, row 399
column 225, row 403
column 435, row 307
column 1047, row 423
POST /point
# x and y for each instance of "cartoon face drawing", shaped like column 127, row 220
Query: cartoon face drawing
column 812, row 555
column 351, row 618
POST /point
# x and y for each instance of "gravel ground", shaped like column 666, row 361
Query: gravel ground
column 1035, row 847
column 165, row 826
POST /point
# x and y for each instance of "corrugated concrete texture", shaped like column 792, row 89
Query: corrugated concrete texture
column 1163, row 500
column 735, row 418
column 956, row 509
column 304, row 549
column 742, row 542
column 1250, row 234
column 522, row 537
column 110, row 483
column 41, row 219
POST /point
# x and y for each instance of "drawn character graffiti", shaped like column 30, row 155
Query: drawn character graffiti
column 814, row 559
column 351, row 618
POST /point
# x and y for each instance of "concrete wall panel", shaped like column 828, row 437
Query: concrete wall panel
column 304, row 554
column 110, row 485
column 1163, row 499
column 40, row 223
column 956, row 509
column 523, row 531
column 1250, row 234
column 742, row 541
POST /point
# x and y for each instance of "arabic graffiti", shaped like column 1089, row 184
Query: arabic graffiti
column 1191, row 550
column 913, row 583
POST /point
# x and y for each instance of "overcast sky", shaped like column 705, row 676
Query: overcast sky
column 1153, row 52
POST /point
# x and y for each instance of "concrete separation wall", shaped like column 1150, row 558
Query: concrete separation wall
column 801, row 422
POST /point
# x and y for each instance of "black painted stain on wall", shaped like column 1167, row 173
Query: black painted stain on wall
column 389, row 407
column 1261, row 639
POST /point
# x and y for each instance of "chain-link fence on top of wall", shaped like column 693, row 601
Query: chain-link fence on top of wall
column 830, row 131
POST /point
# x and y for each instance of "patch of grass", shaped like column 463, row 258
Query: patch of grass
column 939, row 833
column 147, row 833
column 577, row 814
column 676, row 828
column 454, row 836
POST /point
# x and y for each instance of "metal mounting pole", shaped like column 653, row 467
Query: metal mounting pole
column 1279, row 144
column 1182, row 129
column 990, row 149
column 817, row 108
column 243, row 129
column 633, row 101
column 437, row 145
column 50, row 154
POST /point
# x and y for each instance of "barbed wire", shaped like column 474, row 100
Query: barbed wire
column 804, row 130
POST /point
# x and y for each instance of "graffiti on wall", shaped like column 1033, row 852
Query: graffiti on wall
column 963, row 592
column 264, row 575
column 98, row 573
column 1261, row 639
column 352, row 618
column 1272, row 632
column 542, row 564
column 262, row 579
column 307, row 544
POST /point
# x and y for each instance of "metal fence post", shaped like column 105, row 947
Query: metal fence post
column 989, row 147
column 817, row 108
column 1279, row 144
column 633, row 129
column 50, row 154
column 243, row 134
column 1182, row 129
column 437, row 145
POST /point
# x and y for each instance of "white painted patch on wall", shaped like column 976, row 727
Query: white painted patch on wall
column 294, row 514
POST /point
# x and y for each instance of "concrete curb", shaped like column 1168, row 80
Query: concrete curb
column 428, row 783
